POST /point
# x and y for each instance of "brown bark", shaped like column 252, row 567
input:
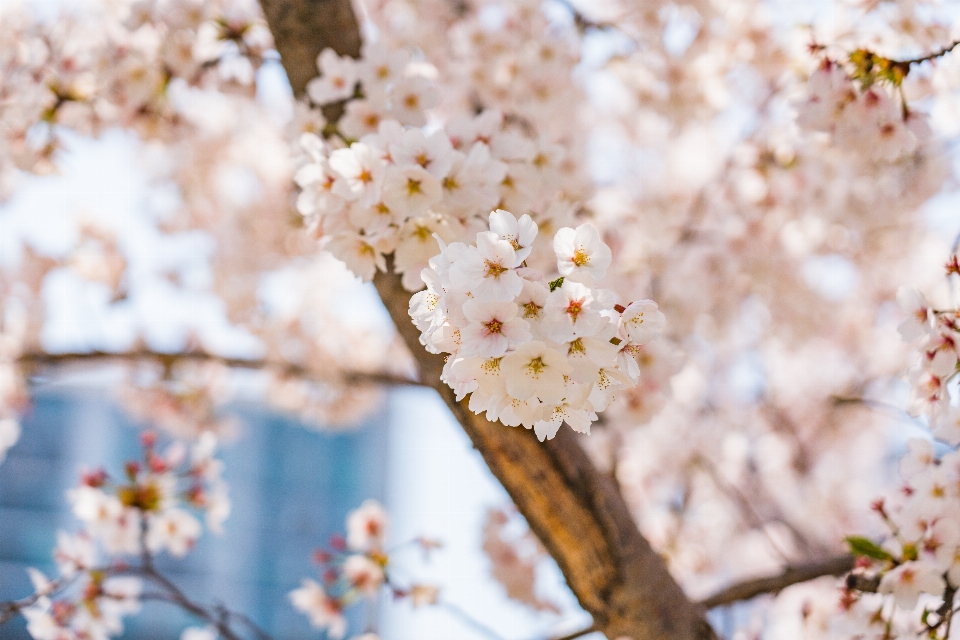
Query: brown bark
column 577, row 512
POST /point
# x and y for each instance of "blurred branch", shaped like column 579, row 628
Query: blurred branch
column 772, row 584
column 931, row 56
column 168, row 360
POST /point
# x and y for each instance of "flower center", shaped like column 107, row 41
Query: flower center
column 531, row 310
column 536, row 366
column 494, row 326
column 494, row 269
column 574, row 309
column 580, row 257
column 413, row 187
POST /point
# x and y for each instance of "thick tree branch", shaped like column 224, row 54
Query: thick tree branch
column 36, row 359
column 772, row 584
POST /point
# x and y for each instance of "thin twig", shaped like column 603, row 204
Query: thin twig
column 772, row 584
column 930, row 56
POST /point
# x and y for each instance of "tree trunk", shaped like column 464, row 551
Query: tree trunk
column 577, row 512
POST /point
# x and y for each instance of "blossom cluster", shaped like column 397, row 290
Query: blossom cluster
column 393, row 187
column 529, row 351
column 868, row 120
column 147, row 505
column 101, row 599
column 936, row 334
column 354, row 568
column 919, row 562
column 144, row 512
column 89, row 75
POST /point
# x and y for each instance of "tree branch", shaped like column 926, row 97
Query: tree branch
column 772, row 584
column 43, row 359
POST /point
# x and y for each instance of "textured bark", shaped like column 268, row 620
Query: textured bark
column 577, row 512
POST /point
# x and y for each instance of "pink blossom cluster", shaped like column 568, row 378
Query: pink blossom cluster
column 393, row 187
column 936, row 334
column 870, row 121
column 145, row 511
column 147, row 505
column 918, row 564
column 101, row 599
column 529, row 351
column 354, row 568
column 116, row 69
column 392, row 190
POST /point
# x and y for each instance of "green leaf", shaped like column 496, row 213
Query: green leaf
column 868, row 548
column 555, row 284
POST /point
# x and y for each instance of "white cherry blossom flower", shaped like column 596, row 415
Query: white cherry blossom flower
column 360, row 174
column 410, row 97
column 486, row 270
column 641, row 322
column 417, row 243
column 909, row 580
column 571, row 312
column 519, row 233
column 358, row 253
column 363, row 573
column 587, row 355
column 915, row 305
column 494, row 327
column 381, row 66
column 362, row 118
column 536, row 369
column 74, row 553
column 830, row 90
column 174, row 530
column 581, row 255
column 367, row 527
column 338, row 77
column 569, row 409
column 410, row 190
column 526, row 412
column 434, row 153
